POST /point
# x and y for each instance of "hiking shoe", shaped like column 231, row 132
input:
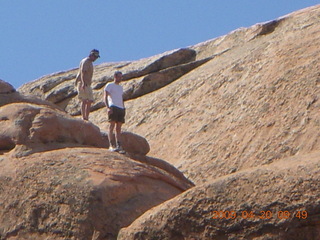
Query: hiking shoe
column 119, row 149
column 112, row 149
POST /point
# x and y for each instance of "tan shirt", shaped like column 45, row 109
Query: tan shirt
column 85, row 72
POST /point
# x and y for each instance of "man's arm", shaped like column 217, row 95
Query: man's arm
column 105, row 99
column 84, row 74
column 77, row 78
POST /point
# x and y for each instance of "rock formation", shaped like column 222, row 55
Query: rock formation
column 278, row 201
column 59, row 181
column 238, row 115
column 79, row 193
column 33, row 127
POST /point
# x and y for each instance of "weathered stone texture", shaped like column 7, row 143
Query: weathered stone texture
column 238, row 115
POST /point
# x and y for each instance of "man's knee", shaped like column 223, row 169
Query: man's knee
column 112, row 125
column 118, row 127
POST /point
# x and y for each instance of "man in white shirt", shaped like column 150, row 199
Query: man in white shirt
column 113, row 99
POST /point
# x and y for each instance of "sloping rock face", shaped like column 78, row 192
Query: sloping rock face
column 276, row 202
column 252, row 105
column 79, row 193
column 225, row 112
column 248, row 98
column 145, row 76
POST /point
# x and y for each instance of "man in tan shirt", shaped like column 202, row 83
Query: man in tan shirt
column 83, row 82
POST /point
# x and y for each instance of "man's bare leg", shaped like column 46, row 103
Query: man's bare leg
column 119, row 138
column 83, row 109
column 118, row 133
column 87, row 109
column 110, row 134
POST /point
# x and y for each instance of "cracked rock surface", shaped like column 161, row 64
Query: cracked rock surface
column 237, row 115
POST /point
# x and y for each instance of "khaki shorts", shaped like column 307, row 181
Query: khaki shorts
column 85, row 94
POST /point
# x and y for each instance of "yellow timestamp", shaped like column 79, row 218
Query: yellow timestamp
column 259, row 214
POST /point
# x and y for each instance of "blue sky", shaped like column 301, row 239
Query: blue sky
column 40, row 37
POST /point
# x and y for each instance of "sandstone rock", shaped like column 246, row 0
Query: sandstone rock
column 9, row 95
column 277, row 202
column 78, row 193
column 59, row 88
column 30, row 128
column 252, row 105
column 39, row 87
column 131, row 143
column 157, row 80
column 243, row 125
column 6, row 87
column 27, row 128
column 163, row 61
column 134, row 143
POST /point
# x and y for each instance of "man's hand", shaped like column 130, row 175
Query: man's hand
column 109, row 111
column 82, row 85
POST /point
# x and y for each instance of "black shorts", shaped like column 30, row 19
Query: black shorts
column 117, row 114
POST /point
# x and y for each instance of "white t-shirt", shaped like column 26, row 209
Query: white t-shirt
column 115, row 96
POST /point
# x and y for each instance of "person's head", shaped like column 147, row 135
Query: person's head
column 117, row 77
column 94, row 55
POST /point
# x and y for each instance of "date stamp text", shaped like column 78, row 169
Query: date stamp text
column 259, row 215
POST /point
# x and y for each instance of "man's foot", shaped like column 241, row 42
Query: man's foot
column 119, row 149
column 112, row 149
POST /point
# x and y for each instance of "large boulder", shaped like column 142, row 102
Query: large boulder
column 6, row 87
column 80, row 193
column 58, row 180
column 275, row 202
column 28, row 128
column 134, row 143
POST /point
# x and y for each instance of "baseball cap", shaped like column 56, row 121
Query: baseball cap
column 95, row 52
